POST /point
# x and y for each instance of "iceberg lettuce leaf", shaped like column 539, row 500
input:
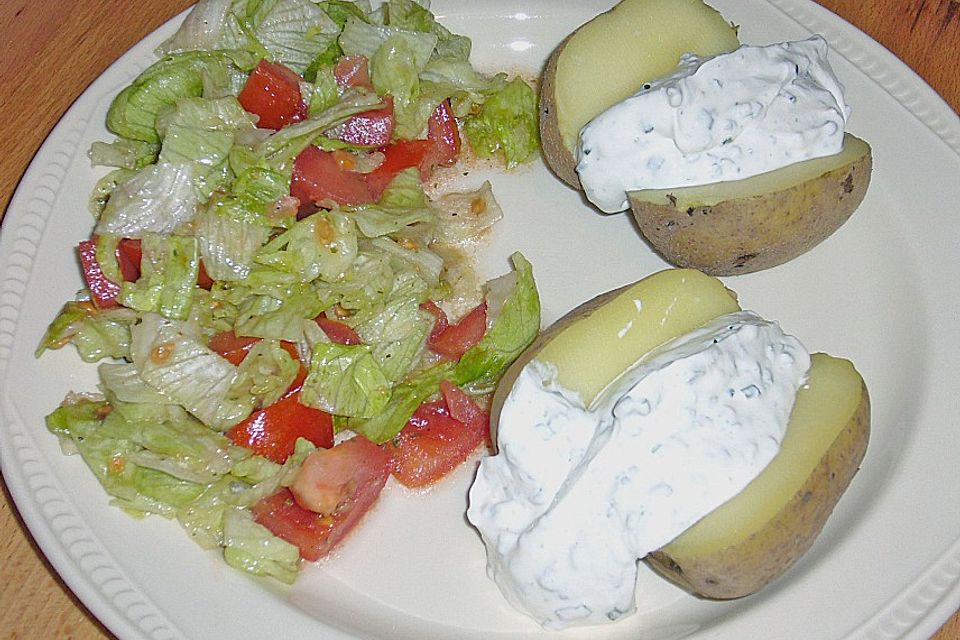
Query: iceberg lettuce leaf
column 228, row 244
column 266, row 373
column 201, row 130
column 205, row 27
column 397, row 333
column 279, row 316
column 345, row 380
column 407, row 14
column 202, row 517
column 96, row 333
column 363, row 38
column 322, row 245
column 120, row 382
column 506, row 124
column 515, row 327
column 183, row 448
column 395, row 70
column 407, row 396
column 169, row 267
column 420, row 260
column 464, row 216
column 323, row 92
column 254, row 196
column 117, row 451
column 367, row 284
column 104, row 188
column 123, row 153
column 457, row 79
column 158, row 198
column 171, row 358
column 251, row 547
column 133, row 113
column 402, row 204
column 294, row 32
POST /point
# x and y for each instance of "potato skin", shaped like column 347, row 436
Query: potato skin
column 750, row 234
column 556, row 154
column 746, row 567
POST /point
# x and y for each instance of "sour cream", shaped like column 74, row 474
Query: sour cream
column 716, row 119
column 576, row 495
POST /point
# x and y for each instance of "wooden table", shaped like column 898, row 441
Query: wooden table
column 54, row 50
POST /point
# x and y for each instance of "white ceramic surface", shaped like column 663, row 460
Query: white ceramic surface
column 883, row 291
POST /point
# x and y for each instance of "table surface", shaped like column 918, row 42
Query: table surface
column 58, row 53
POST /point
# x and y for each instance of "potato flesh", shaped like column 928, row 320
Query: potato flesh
column 599, row 341
column 610, row 57
column 708, row 195
column 823, row 408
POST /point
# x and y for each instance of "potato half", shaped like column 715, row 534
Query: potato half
column 756, row 536
column 730, row 228
column 610, row 57
column 726, row 228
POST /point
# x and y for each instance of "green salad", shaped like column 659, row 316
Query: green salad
column 282, row 318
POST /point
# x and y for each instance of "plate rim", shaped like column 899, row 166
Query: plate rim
column 916, row 612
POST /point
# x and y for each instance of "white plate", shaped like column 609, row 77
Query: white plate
column 882, row 291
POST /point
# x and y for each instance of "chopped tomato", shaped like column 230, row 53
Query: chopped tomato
column 442, row 130
column 453, row 341
column 398, row 156
column 441, row 322
column 442, row 146
column 352, row 71
column 129, row 253
column 439, row 437
column 463, row 408
column 337, row 331
column 328, row 481
column 372, row 128
column 317, row 176
column 235, row 348
column 103, row 291
column 272, row 432
column 272, row 92
column 232, row 347
column 204, row 281
column 331, row 493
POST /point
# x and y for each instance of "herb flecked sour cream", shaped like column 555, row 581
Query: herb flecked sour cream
column 576, row 495
column 716, row 119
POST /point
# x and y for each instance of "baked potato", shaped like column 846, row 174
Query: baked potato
column 609, row 57
column 727, row 228
column 753, row 538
